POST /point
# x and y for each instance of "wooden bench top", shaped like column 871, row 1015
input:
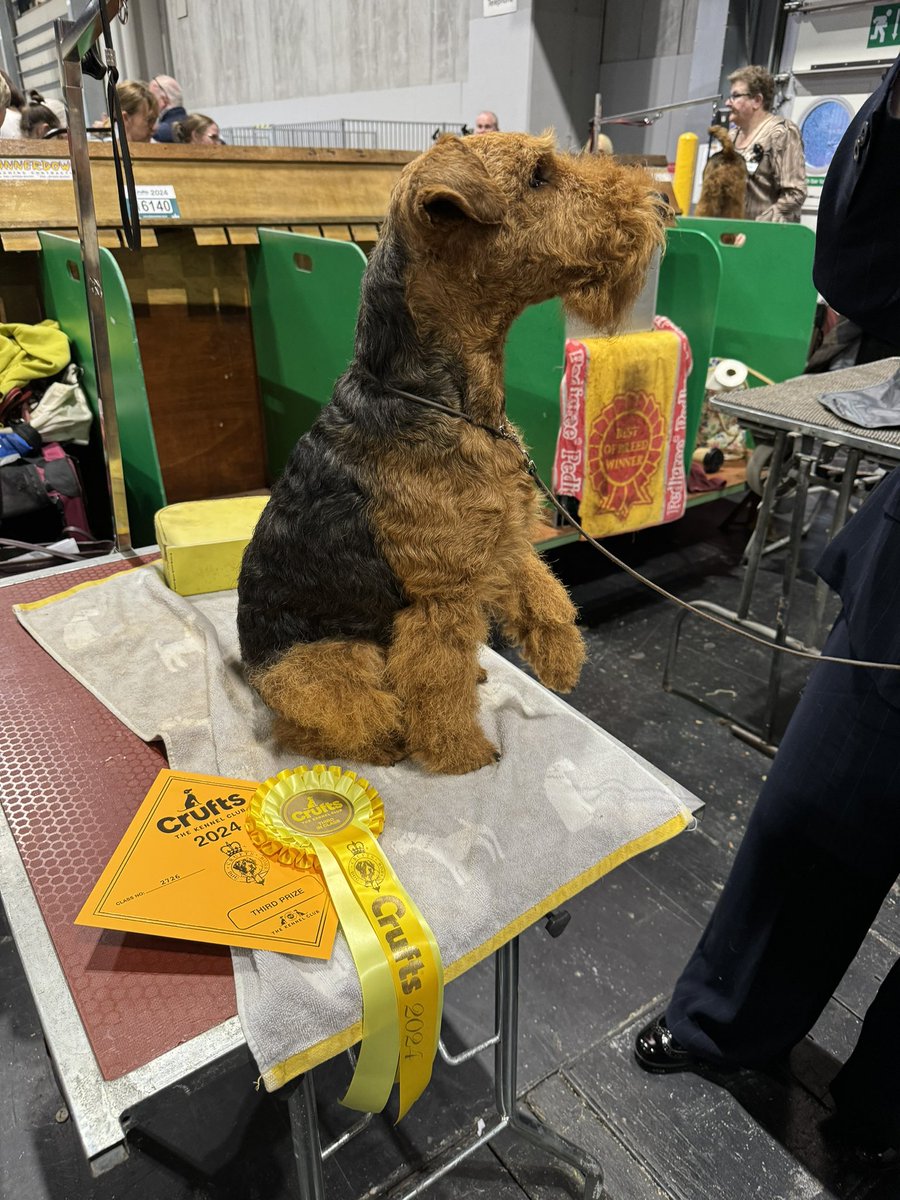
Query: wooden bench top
column 214, row 186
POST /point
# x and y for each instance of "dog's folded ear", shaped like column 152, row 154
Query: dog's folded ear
column 451, row 185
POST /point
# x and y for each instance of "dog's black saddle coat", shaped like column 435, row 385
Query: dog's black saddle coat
column 313, row 570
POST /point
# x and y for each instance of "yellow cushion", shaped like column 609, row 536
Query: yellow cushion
column 203, row 542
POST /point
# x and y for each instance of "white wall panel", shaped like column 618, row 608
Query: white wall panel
column 661, row 52
column 227, row 53
column 565, row 71
column 840, row 36
column 281, row 61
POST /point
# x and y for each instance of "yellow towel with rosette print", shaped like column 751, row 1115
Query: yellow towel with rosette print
column 630, row 409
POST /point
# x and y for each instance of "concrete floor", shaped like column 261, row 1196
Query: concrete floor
column 583, row 995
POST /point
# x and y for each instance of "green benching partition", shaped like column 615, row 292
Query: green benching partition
column 304, row 300
column 767, row 300
column 535, row 358
column 65, row 301
column 690, row 280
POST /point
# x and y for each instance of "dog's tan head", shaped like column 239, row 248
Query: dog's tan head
column 497, row 222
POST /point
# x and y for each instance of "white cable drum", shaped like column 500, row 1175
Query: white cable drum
column 729, row 374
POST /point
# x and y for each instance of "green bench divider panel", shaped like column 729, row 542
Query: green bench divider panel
column 535, row 354
column 767, row 300
column 304, row 300
column 65, row 301
column 690, row 281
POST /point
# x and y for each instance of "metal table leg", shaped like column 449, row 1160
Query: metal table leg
column 738, row 616
column 841, row 509
column 308, row 1152
column 305, row 1138
column 757, row 542
column 505, row 1070
column 805, row 459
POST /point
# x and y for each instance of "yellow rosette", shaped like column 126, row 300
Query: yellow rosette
column 329, row 818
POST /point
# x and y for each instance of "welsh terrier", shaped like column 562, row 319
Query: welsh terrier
column 402, row 524
column 724, row 189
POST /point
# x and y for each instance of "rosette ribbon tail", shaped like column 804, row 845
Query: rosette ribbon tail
column 410, row 949
column 331, row 817
column 376, row 1063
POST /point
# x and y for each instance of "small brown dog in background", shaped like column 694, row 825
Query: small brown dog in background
column 724, row 189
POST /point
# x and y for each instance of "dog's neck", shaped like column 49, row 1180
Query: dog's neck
column 405, row 338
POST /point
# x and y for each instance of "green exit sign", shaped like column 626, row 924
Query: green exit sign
column 885, row 27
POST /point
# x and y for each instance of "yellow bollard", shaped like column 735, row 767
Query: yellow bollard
column 685, row 163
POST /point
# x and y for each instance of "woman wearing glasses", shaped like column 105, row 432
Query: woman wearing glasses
column 771, row 147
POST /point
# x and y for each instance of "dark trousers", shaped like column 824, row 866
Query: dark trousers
column 821, row 852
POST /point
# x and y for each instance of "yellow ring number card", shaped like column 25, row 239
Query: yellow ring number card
column 186, row 868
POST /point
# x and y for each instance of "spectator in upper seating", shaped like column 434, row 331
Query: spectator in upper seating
column 56, row 107
column 37, row 120
column 139, row 109
column 11, row 103
column 170, row 100
column 197, row 130
column 486, row 122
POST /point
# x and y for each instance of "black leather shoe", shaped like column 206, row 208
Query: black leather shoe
column 877, row 1158
column 853, row 1138
column 657, row 1050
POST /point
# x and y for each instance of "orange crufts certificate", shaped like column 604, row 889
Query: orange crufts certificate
column 186, row 869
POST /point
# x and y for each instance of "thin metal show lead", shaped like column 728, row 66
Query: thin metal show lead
column 506, row 434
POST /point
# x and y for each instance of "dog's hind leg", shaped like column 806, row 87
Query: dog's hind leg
column 331, row 702
column 433, row 667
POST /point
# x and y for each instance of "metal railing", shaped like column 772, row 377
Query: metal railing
column 343, row 134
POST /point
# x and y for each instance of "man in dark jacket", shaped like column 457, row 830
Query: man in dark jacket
column 822, row 847
column 170, row 99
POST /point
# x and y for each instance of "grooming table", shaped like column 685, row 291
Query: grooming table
column 172, row 1007
column 125, row 1016
column 790, row 413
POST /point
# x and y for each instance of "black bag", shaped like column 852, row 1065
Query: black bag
column 857, row 261
column 41, row 501
column 40, row 494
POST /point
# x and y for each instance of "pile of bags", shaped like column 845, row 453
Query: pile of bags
column 43, row 409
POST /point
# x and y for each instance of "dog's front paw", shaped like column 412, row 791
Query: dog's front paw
column 557, row 653
column 471, row 754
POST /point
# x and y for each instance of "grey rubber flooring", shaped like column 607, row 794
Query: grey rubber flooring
column 583, row 995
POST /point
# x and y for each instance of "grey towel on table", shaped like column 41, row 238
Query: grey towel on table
column 480, row 853
column 874, row 407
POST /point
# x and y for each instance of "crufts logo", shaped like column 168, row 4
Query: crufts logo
column 195, row 812
column 406, row 954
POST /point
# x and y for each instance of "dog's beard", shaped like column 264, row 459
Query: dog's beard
column 603, row 307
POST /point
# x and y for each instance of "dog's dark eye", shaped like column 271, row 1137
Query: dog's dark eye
column 538, row 177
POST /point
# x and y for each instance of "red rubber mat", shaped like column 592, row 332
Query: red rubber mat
column 71, row 777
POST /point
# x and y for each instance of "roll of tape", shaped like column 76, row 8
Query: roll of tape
column 729, row 374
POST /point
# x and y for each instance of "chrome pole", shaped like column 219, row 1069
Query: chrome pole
column 649, row 115
column 73, row 40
